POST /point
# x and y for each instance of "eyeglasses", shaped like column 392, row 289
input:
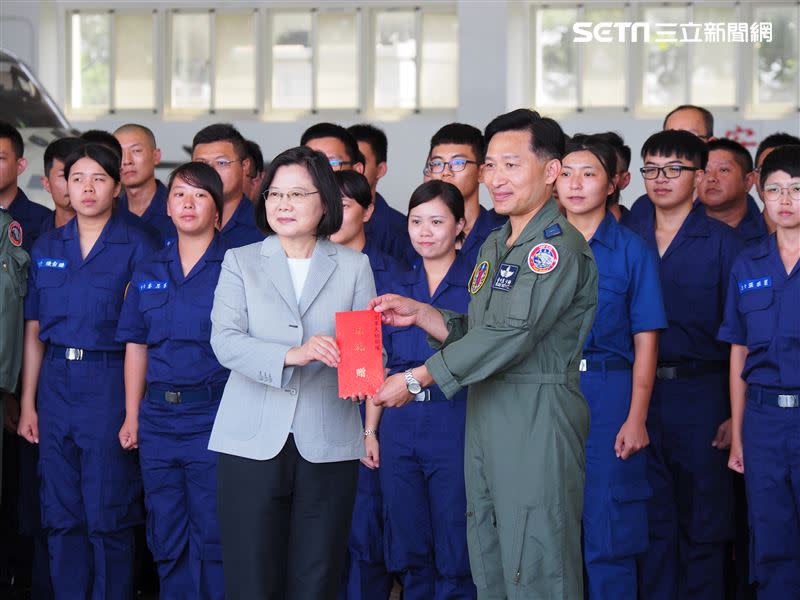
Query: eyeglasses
column 222, row 163
column 670, row 171
column 456, row 165
column 294, row 196
column 337, row 164
column 773, row 192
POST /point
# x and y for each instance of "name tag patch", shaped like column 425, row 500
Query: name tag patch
column 748, row 285
column 51, row 263
column 505, row 277
column 151, row 285
column 543, row 258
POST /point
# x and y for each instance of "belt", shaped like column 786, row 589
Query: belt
column 604, row 365
column 81, row 354
column 203, row 394
column 667, row 371
column 763, row 396
column 571, row 378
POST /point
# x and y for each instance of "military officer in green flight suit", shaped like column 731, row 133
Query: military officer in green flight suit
column 534, row 293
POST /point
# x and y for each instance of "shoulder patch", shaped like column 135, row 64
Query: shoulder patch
column 552, row 231
column 543, row 258
column 15, row 233
column 748, row 285
column 479, row 276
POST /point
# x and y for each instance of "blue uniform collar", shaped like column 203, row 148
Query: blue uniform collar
column 157, row 206
column 239, row 215
column 170, row 255
column 752, row 226
column 696, row 223
column 457, row 275
column 114, row 232
column 538, row 223
column 377, row 259
column 606, row 232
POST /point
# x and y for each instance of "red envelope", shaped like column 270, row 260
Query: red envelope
column 358, row 335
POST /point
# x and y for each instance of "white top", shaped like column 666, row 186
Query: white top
column 298, row 268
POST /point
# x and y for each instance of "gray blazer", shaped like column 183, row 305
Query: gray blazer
column 255, row 320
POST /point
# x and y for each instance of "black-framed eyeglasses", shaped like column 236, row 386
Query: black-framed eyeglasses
column 456, row 165
column 294, row 196
column 337, row 164
column 669, row 171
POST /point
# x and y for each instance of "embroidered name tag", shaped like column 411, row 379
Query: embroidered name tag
column 505, row 277
column 152, row 285
column 52, row 263
column 748, row 285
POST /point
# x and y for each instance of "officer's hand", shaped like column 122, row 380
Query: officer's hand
column 319, row 347
column 129, row 434
column 396, row 311
column 372, row 460
column 736, row 458
column 11, row 412
column 393, row 393
column 722, row 441
column 29, row 426
column 631, row 438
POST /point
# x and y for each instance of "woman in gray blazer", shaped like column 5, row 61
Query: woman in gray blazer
column 288, row 445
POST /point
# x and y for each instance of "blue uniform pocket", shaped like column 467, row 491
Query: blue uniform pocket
column 760, row 321
column 628, row 531
column 53, row 293
column 152, row 305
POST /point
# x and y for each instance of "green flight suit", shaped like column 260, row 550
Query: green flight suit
column 13, row 286
column 518, row 350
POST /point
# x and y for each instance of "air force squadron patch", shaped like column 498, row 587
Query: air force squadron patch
column 15, row 233
column 505, row 277
column 478, row 278
column 543, row 258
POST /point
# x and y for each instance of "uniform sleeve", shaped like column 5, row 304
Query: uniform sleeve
column 645, row 300
column 457, row 325
column 147, row 245
column 31, row 310
column 734, row 328
column 730, row 249
column 131, row 326
column 492, row 348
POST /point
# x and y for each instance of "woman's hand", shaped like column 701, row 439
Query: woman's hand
column 372, row 460
column 28, row 426
column 319, row 347
column 736, row 457
column 129, row 433
column 393, row 393
column 631, row 438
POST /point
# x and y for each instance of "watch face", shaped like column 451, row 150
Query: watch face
column 414, row 388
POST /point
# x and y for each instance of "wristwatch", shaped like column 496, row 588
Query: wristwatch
column 412, row 384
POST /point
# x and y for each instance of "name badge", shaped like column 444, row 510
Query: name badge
column 152, row 285
column 505, row 277
column 748, row 285
column 51, row 263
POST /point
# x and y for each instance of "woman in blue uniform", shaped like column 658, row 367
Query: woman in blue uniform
column 618, row 370
column 169, row 364
column 422, row 443
column 73, row 400
column 762, row 324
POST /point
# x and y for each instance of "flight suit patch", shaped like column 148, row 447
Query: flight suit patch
column 552, row 231
column 506, row 277
column 15, row 233
column 479, row 275
column 748, row 285
column 543, row 258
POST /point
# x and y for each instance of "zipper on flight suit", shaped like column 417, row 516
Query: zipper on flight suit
column 522, row 530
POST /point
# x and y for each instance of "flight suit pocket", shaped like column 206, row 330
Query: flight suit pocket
column 628, row 530
column 17, row 270
column 152, row 305
column 482, row 542
column 760, row 321
column 537, row 551
column 519, row 303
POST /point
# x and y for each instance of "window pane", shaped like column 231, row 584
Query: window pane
column 235, row 78
column 191, row 52
column 337, row 78
column 604, row 66
column 439, row 70
column 395, row 55
column 291, row 60
column 134, row 82
column 91, row 45
column 664, row 61
column 713, row 64
column 556, row 57
column 777, row 60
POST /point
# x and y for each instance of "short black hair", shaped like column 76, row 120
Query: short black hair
column 784, row 158
column 253, row 152
column 615, row 141
column 740, row 154
column 354, row 185
column 547, row 137
column 376, row 138
column 775, row 140
column 151, row 137
column 221, row 132
column 60, row 149
column 318, row 167
column 682, row 144
column 203, row 176
column 8, row 131
column 708, row 118
column 460, row 133
column 99, row 153
column 323, row 130
column 104, row 138
column 436, row 188
column 602, row 151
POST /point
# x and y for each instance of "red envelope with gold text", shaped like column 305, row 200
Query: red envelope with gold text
column 358, row 335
